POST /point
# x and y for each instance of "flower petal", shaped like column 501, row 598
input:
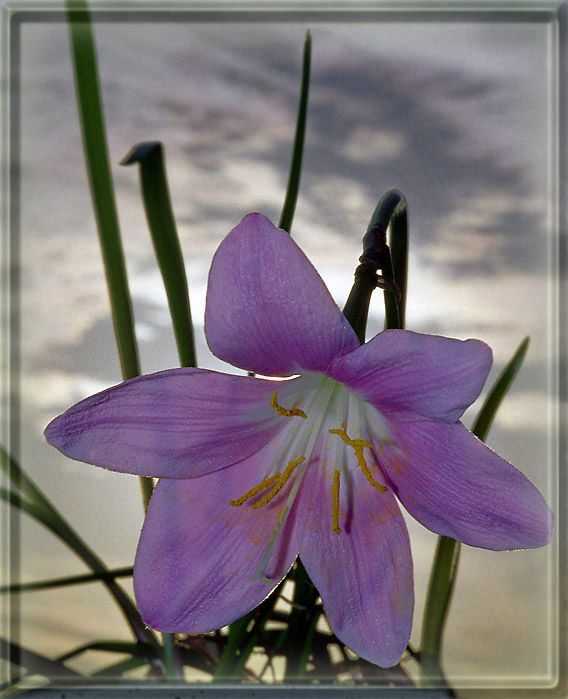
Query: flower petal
column 363, row 574
column 175, row 424
column 400, row 371
column 455, row 485
column 267, row 309
column 196, row 564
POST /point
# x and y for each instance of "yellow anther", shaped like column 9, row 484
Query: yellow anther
column 266, row 483
column 287, row 412
column 280, row 484
column 358, row 445
column 347, row 439
column 335, row 503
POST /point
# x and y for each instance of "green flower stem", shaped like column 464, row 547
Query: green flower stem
column 172, row 660
column 161, row 222
column 67, row 581
column 446, row 558
column 102, row 191
column 376, row 255
column 293, row 187
column 392, row 315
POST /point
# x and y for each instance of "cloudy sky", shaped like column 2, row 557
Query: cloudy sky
column 458, row 115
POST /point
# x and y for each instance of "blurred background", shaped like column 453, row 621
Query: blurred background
column 458, row 115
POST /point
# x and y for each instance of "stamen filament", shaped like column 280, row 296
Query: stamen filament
column 286, row 412
column 267, row 482
column 335, row 503
column 358, row 445
column 280, row 484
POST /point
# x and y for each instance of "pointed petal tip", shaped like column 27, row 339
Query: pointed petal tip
column 53, row 434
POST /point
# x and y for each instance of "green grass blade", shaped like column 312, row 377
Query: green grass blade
column 67, row 581
column 161, row 222
column 446, row 558
column 289, row 208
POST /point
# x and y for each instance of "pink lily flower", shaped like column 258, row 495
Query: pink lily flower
column 254, row 472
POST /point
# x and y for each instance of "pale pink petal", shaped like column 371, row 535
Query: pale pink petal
column 176, row 424
column 199, row 564
column 399, row 371
column 455, row 485
column 363, row 574
column 268, row 310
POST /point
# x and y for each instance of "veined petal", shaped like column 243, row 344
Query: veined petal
column 197, row 562
column 178, row 423
column 364, row 573
column 453, row 483
column 268, row 310
column 398, row 370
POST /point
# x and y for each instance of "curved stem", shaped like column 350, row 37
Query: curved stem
column 376, row 255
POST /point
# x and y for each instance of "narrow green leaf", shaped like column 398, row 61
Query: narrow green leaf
column 67, row 581
column 161, row 222
column 43, row 511
column 289, row 208
column 93, row 129
column 100, row 179
column 446, row 558
column 486, row 415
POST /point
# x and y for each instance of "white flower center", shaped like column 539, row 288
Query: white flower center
column 319, row 411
